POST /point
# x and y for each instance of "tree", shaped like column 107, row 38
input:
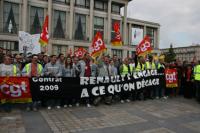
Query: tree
column 170, row 56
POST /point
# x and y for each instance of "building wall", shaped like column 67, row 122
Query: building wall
column 69, row 11
column 186, row 53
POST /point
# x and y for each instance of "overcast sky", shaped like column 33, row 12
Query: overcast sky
column 179, row 19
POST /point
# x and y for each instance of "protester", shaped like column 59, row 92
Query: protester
column 197, row 79
column 1, row 55
column 189, row 90
column 61, row 59
column 68, row 71
column 18, row 61
column 103, row 66
column 160, row 90
column 104, row 69
column 7, row 69
column 52, row 69
column 150, row 65
column 140, row 67
column 126, row 69
column 33, row 69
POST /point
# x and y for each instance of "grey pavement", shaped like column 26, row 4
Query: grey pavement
column 174, row 115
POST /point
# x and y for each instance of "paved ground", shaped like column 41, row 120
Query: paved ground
column 175, row 115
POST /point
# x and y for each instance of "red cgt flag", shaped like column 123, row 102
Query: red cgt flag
column 98, row 45
column 144, row 47
column 44, row 36
column 117, row 41
column 80, row 52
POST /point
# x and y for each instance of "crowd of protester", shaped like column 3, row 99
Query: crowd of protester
column 69, row 66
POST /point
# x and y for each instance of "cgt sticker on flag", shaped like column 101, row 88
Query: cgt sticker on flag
column 15, row 90
column 144, row 47
column 171, row 78
column 98, row 45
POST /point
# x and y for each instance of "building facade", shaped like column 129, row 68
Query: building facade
column 73, row 24
column 186, row 53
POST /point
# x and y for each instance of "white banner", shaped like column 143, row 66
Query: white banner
column 30, row 42
column 137, row 36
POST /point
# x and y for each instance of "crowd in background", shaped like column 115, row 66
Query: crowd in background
column 33, row 65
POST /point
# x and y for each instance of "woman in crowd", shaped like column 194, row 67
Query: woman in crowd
column 189, row 89
column 68, row 71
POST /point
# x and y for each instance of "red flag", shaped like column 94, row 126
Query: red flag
column 171, row 78
column 117, row 41
column 80, row 52
column 144, row 47
column 15, row 90
column 98, row 46
column 44, row 36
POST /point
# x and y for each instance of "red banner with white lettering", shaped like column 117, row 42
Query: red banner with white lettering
column 98, row 45
column 171, row 77
column 144, row 47
column 80, row 52
column 15, row 90
column 117, row 40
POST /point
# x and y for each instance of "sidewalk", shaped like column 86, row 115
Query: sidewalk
column 175, row 115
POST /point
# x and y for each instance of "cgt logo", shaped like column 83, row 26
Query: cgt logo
column 171, row 77
column 13, row 90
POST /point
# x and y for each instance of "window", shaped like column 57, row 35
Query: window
column 98, row 25
column 59, row 24
column 11, row 18
column 62, row 1
column 150, row 33
column 9, row 45
column 112, row 28
column 115, row 8
column 57, row 49
column 83, row 3
column 137, row 34
column 101, row 5
column 36, row 20
column 117, row 52
column 80, row 27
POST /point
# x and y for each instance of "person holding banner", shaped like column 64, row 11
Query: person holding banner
column 150, row 65
column 197, row 79
column 68, row 71
column 7, row 69
column 52, row 69
column 33, row 69
column 104, row 69
column 140, row 67
column 161, row 69
column 125, row 69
